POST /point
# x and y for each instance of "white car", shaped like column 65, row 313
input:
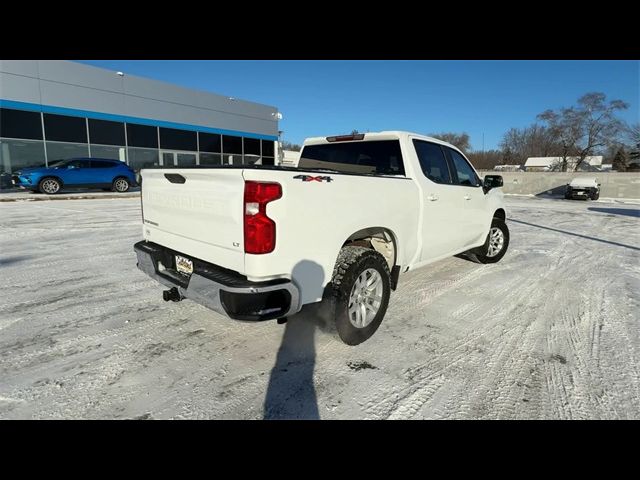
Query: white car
column 259, row 242
column 583, row 188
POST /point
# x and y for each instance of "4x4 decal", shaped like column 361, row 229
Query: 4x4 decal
column 309, row 178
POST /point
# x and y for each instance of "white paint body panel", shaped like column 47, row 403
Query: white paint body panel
column 203, row 217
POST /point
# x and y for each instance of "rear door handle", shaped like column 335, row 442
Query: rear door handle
column 467, row 197
column 432, row 198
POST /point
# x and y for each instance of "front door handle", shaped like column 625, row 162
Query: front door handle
column 432, row 198
column 467, row 197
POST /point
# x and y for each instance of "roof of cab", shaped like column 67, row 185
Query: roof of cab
column 384, row 135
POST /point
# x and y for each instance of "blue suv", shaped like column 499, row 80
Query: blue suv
column 77, row 173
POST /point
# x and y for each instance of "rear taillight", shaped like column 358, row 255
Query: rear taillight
column 259, row 230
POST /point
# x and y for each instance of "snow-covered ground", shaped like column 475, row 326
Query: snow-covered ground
column 552, row 331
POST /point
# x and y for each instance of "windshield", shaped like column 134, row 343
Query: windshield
column 380, row 157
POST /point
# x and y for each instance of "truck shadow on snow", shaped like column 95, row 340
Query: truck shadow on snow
column 631, row 212
column 291, row 393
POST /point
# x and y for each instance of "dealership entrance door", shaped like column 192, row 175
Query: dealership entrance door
column 172, row 158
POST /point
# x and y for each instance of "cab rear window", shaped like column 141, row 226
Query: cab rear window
column 382, row 157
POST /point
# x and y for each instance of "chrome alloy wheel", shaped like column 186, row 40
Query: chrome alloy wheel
column 365, row 298
column 496, row 242
column 121, row 185
column 50, row 186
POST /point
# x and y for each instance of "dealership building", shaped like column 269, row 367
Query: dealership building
column 52, row 110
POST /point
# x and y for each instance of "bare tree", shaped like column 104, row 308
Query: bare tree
column 291, row 146
column 582, row 129
column 460, row 140
column 632, row 140
column 486, row 160
column 533, row 141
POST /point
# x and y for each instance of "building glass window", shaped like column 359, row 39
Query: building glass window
column 231, row 144
column 140, row 158
column 17, row 154
column 142, row 136
column 210, row 159
column 210, row 142
column 20, row 124
column 252, row 146
column 268, row 148
column 173, row 139
column 62, row 151
column 108, row 151
column 105, row 132
column 63, row 128
column 186, row 159
column 230, row 159
column 252, row 159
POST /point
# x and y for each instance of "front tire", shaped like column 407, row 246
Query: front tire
column 361, row 286
column 496, row 244
column 49, row 185
column 121, row 185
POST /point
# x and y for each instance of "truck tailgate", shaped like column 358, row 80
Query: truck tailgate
column 197, row 212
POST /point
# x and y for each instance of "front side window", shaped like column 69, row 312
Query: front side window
column 78, row 164
column 466, row 175
column 432, row 161
column 381, row 157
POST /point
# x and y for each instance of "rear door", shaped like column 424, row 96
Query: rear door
column 443, row 208
column 469, row 188
column 103, row 171
column 197, row 212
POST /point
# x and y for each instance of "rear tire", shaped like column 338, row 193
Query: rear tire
column 49, row 185
column 496, row 244
column 361, row 286
column 595, row 196
column 121, row 185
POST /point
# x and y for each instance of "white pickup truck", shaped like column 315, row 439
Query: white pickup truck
column 259, row 242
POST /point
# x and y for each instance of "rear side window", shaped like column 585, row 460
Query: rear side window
column 381, row 157
column 433, row 162
column 102, row 164
column 466, row 175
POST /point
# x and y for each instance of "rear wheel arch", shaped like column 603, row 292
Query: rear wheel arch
column 365, row 235
column 384, row 241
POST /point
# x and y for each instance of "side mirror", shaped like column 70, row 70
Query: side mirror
column 492, row 181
